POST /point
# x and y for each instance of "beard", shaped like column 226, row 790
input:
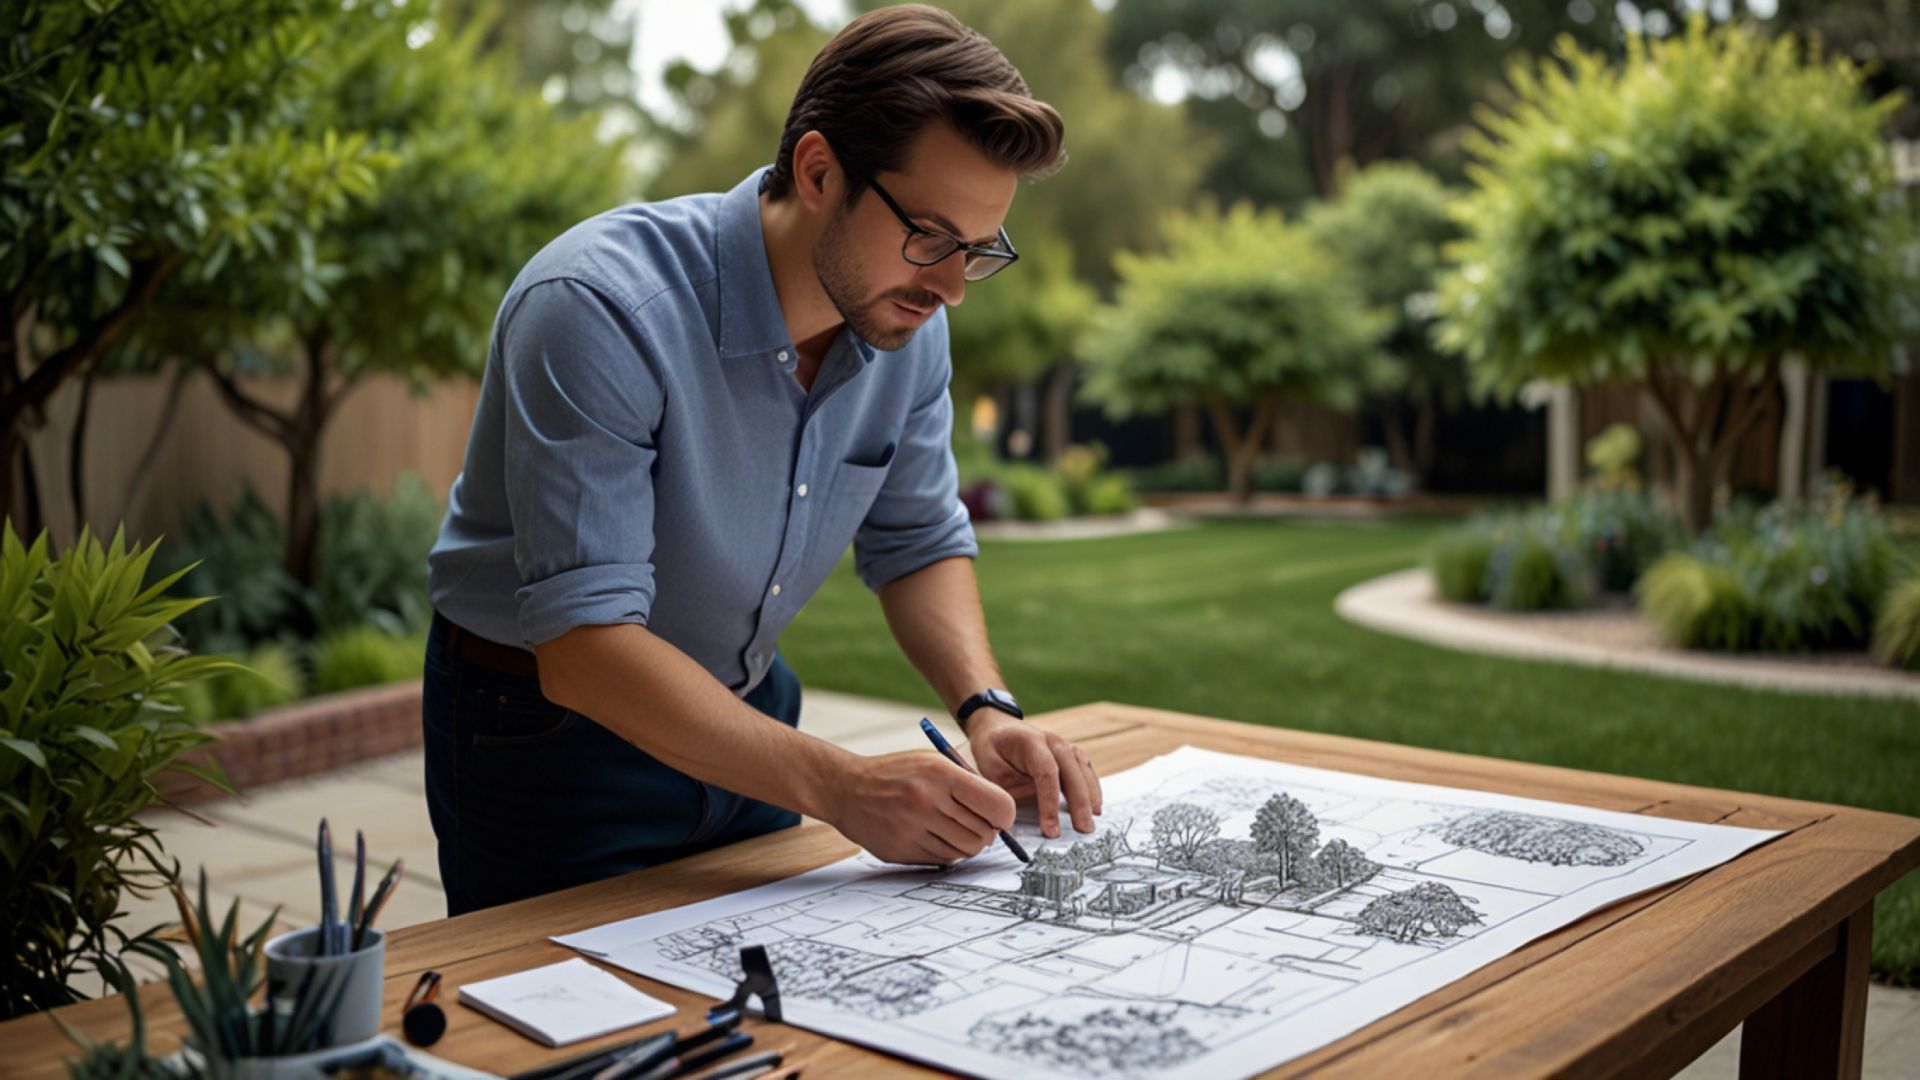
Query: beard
column 866, row 316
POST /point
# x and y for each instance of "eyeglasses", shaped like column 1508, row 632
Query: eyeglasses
column 924, row 247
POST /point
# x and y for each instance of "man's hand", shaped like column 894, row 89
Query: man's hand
column 1028, row 761
column 918, row 807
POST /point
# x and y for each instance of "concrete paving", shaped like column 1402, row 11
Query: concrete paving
column 259, row 850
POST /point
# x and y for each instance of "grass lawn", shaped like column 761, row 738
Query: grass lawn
column 1235, row 619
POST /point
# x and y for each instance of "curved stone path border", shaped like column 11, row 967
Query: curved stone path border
column 1404, row 604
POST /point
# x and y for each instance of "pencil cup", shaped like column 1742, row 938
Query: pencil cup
column 291, row 956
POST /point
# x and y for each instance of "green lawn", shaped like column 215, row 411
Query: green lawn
column 1236, row 620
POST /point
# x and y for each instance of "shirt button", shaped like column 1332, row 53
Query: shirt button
column 776, row 588
column 803, row 491
column 783, row 356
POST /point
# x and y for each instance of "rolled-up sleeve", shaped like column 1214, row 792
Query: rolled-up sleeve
column 583, row 406
column 918, row 519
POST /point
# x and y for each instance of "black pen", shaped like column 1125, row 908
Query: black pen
column 947, row 751
column 686, row 1063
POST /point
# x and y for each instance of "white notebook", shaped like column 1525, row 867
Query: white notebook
column 563, row 1003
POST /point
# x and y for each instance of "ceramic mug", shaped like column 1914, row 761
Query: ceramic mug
column 290, row 957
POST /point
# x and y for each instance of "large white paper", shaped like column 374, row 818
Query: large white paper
column 1231, row 913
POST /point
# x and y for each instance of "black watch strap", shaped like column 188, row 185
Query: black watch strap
column 993, row 698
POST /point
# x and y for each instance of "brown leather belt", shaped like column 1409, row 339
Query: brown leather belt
column 491, row 655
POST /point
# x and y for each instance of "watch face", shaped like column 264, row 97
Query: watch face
column 1003, row 700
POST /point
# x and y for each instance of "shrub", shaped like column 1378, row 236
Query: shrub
column 1182, row 474
column 1621, row 532
column 1035, row 494
column 238, row 558
column 1896, row 633
column 365, row 656
column 1089, row 487
column 269, row 676
column 87, row 668
column 373, row 558
column 1806, row 578
column 1528, row 572
column 1459, row 564
column 1696, row 605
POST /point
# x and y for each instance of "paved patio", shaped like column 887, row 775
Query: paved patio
column 260, row 850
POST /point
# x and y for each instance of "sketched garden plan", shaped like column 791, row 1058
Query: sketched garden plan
column 1231, row 913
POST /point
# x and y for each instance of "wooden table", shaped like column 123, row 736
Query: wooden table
column 1776, row 939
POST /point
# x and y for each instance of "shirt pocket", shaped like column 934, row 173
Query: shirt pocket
column 855, row 483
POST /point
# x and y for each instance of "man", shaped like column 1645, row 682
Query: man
column 689, row 410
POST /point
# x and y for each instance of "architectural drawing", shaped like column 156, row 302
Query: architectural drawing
column 1230, row 914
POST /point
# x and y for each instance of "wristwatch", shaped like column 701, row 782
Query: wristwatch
column 992, row 698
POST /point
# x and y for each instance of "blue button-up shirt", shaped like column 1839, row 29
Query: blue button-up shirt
column 642, row 452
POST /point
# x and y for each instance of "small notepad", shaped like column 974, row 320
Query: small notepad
column 563, row 1003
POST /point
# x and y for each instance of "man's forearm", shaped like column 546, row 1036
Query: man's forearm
column 656, row 697
column 936, row 618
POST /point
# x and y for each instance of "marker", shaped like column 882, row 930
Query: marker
column 947, row 751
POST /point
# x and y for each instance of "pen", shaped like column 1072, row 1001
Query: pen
column 947, row 751
column 381, row 894
column 746, row 1066
column 329, row 904
column 686, row 1063
column 359, row 902
column 644, row 1055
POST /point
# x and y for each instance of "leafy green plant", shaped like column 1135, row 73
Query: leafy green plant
column 1089, row 487
column 373, row 558
column 1896, row 632
column 1458, row 560
column 236, row 556
column 87, row 661
column 270, row 676
column 1181, row 474
column 1528, row 572
column 1036, row 494
column 1621, row 532
column 218, row 1008
column 1696, row 605
column 1805, row 577
column 365, row 656
column 120, row 1061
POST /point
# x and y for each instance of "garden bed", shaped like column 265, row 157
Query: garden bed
column 1614, row 635
column 315, row 735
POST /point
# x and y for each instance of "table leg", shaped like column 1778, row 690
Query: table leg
column 1816, row 1027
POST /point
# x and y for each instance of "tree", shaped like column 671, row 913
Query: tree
column 1285, row 828
column 1340, row 864
column 1427, row 909
column 1683, row 221
column 1180, row 828
column 145, row 141
column 1244, row 311
column 1299, row 89
column 482, row 173
column 1389, row 225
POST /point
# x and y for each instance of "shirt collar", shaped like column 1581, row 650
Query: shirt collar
column 751, row 322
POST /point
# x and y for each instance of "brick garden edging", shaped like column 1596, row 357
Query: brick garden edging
column 310, row 736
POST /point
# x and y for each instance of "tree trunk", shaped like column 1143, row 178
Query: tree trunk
column 1186, row 434
column 162, row 425
column 26, row 392
column 77, row 452
column 1059, row 409
column 1426, row 451
column 1707, row 427
column 1242, row 450
column 1399, row 448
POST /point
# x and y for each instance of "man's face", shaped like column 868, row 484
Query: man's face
column 946, row 186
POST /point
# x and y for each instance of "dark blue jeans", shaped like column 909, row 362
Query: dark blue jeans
column 527, row 797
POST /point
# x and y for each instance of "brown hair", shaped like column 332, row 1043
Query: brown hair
column 891, row 72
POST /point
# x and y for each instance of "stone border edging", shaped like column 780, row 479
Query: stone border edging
column 1403, row 604
column 310, row 736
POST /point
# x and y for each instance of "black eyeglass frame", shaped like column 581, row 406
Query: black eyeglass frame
column 1003, row 256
